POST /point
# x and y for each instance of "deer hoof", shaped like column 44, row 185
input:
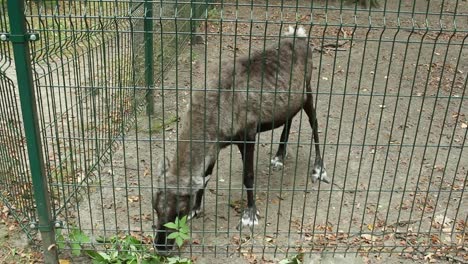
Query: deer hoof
column 194, row 213
column 249, row 218
column 277, row 163
column 319, row 173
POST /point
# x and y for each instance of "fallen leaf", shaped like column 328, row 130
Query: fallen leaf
column 133, row 198
column 444, row 221
column 368, row 237
column 64, row 261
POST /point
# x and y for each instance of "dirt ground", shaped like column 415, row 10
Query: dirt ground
column 391, row 112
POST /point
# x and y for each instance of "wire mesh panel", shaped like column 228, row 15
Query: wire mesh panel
column 14, row 166
column 389, row 89
column 384, row 88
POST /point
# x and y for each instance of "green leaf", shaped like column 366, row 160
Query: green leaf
column 82, row 238
column 114, row 254
column 184, row 229
column 184, row 236
column 171, row 225
column 105, row 256
column 76, row 249
column 132, row 240
column 60, row 241
column 173, row 260
column 173, row 235
column 101, row 239
column 149, row 259
column 94, row 255
column 183, row 221
column 179, row 241
column 131, row 261
column 184, row 261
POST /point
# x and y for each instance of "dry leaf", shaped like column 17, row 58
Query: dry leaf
column 64, row 261
column 368, row 237
column 440, row 219
column 430, row 257
column 133, row 198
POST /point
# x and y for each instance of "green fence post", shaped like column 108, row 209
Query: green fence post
column 20, row 38
column 149, row 70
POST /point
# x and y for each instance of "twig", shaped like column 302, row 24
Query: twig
column 345, row 35
column 453, row 258
column 403, row 223
column 332, row 46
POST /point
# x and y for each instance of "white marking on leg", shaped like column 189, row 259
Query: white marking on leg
column 277, row 163
column 194, row 213
column 320, row 173
column 249, row 219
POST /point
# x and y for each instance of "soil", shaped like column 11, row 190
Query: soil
column 390, row 113
column 390, row 110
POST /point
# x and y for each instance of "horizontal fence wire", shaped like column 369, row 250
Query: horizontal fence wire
column 388, row 85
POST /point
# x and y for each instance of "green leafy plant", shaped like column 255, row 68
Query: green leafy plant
column 75, row 241
column 182, row 230
column 178, row 260
column 129, row 250
column 214, row 13
column 297, row 259
column 123, row 250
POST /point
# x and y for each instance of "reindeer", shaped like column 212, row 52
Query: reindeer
column 259, row 93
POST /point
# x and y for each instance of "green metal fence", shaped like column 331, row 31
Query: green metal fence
column 111, row 81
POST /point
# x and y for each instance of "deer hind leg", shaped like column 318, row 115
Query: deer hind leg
column 250, row 214
column 197, row 208
column 278, row 161
column 319, row 172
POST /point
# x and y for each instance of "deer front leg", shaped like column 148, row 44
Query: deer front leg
column 196, row 210
column 250, row 214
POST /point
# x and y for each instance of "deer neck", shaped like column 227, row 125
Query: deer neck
column 196, row 150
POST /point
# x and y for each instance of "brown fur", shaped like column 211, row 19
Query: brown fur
column 278, row 84
column 226, row 114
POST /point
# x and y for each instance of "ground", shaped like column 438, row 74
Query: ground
column 15, row 247
column 390, row 110
column 393, row 146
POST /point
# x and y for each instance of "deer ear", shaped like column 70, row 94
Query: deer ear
column 163, row 167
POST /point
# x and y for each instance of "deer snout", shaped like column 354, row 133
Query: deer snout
column 162, row 244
